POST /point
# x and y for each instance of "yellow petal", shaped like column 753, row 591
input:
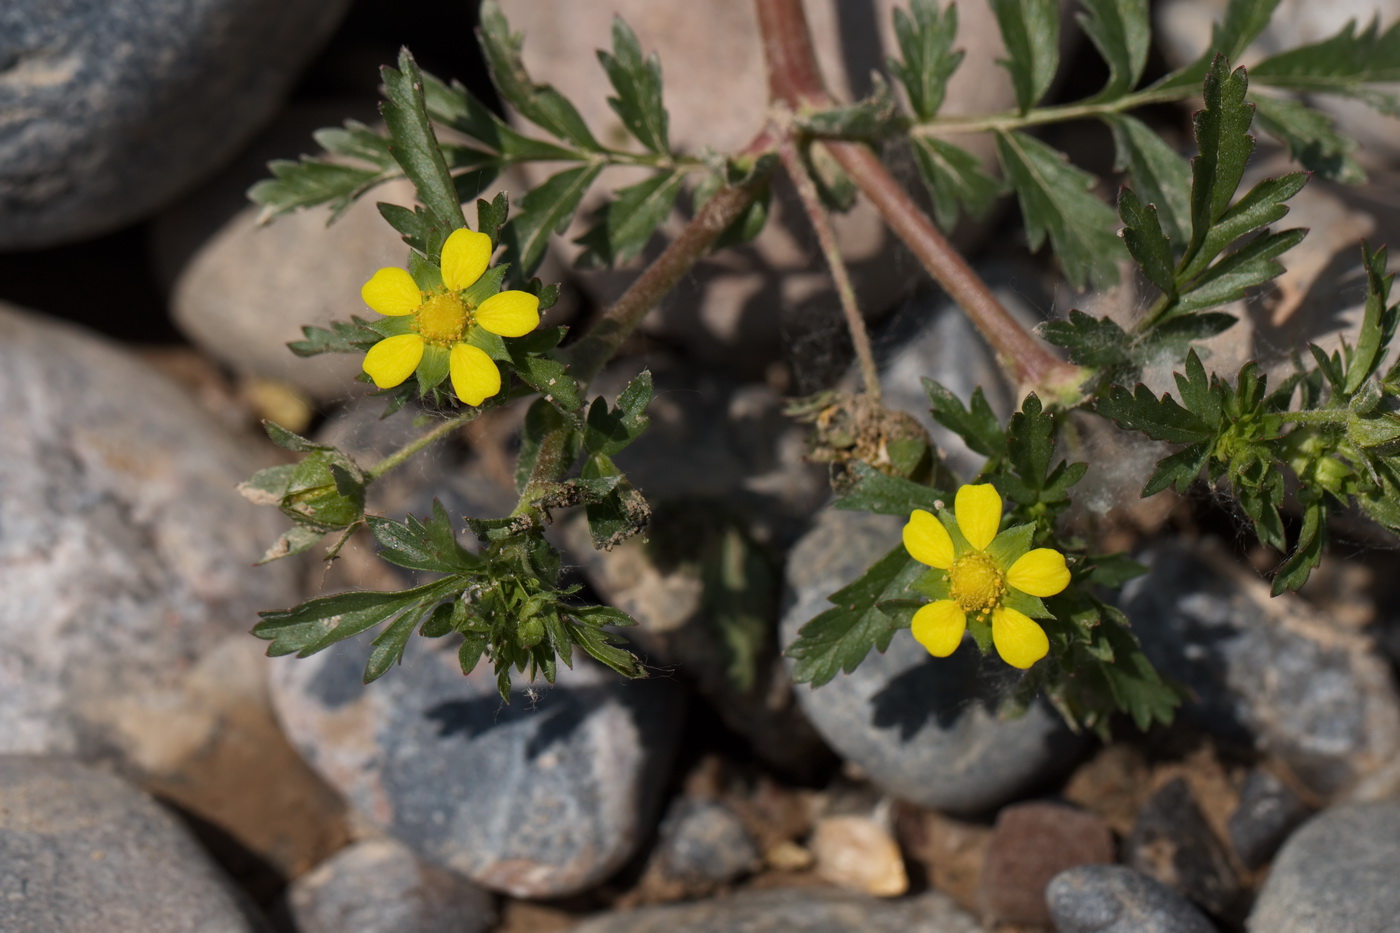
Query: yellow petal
column 939, row 627
column 393, row 359
column 509, row 314
column 1019, row 641
column 392, row 292
column 978, row 511
column 465, row 255
column 475, row 377
column 927, row 541
column 1041, row 572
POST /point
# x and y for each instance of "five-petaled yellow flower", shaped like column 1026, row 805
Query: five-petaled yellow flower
column 983, row 572
column 443, row 319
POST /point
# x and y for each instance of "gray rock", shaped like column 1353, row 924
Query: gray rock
column 1115, row 899
column 1268, row 811
column 1336, row 873
column 380, row 886
column 703, row 843
column 114, row 108
column 806, row 910
column 124, row 558
column 85, row 852
column 1172, row 842
column 1266, row 674
column 544, row 797
column 923, row 728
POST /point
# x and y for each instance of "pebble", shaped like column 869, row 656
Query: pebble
column 125, row 564
column 924, row 729
column 1115, row 899
column 1268, row 811
column 86, row 852
column 544, row 797
column 113, row 109
column 1031, row 844
column 1265, row 674
column 1336, row 873
column 380, row 886
column 858, row 852
column 1172, row 842
column 805, row 910
column 702, row 844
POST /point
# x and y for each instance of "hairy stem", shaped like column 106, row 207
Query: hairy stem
column 826, row 237
column 1060, row 113
column 412, row 447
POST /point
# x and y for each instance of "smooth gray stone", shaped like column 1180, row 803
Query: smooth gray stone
column 84, row 852
column 1116, row 899
column 380, row 886
column 125, row 555
column 1265, row 674
column 702, row 842
column 114, row 107
column 793, row 910
column 1337, row 873
column 923, row 728
column 1268, row 811
column 544, row 797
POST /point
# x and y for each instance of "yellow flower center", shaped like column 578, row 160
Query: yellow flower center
column 975, row 583
column 442, row 318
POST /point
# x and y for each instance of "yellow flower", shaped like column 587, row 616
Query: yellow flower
column 443, row 320
column 985, row 576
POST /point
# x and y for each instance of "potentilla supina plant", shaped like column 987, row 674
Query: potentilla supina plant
column 981, row 578
column 438, row 323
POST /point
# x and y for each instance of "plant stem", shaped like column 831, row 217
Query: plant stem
column 1060, row 113
column 589, row 355
column 1028, row 363
column 1315, row 416
column 412, row 447
column 826, row 237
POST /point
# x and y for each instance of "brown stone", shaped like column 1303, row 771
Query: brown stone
column 1032, row 843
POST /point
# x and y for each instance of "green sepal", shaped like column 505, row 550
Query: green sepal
column 391, row 326
column 1026, row 604
column 933, row 584
column 1011, row 544
column 432, row 367
column 488, row 286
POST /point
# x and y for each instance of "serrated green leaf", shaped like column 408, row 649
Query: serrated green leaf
column 541, row 104
column 1159, row 175
column 289, row 440
column 1160, row 419
column 1030, row 445
column 1055, row 199
column 1341, row 64
column 1179, row 470
column 414, row 143
column 1136, row 686
column 1378, row 323
column 1147, row 244
column 1263, row 205
column 839, row 639
column 1245, row 268
column 309, row 182
column 1173, row 337
column 545, row 210
column 925, row 35
column 953, row 177
column 422, row 545
column 1307, row 551
column 319, row 623
column 1242, row 23
column 1122, row 32
column 624, row 226
column 977, row 424
column 341, row 337
column 638, row 85
column 1311, row 137
column 356, row 141
column 1030, row 29
column 549, row 377
column 600, row 645
column 455, row 106
column 1091, row 341
column 1222, row 134
column 883, row 494
column 390, row 643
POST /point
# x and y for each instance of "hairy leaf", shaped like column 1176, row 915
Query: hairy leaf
column 882, row 494
column 1091, row 341
column 1222, row 133
column 310, row 182
column 624, row 225
column 1160, row 177
column 638, row 85
column 414, row 143
column 545, row 210
column 925, row 36
column 1031, row 31
column 321, row 622
column 422, row 545
column 1148, row 245
column 341, row 337
column 1339, row 65
column 977, row 424
column 953, row 177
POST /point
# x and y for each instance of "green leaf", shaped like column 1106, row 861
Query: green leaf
column 883, row 494
column 1160, row 419
column 1136, row 686
column 977, row 424
column 1031, row 31
column 311, row 181
column 420, row 545
column 1378, row 322
column 953, row 177
column 390, row 643
column 872, row 119
column 414, row 144
column 1225, row 146
column 1307, row 551
column 321, row 622
column 455, row 106
column 1112, row 570
column 1055, row 199
column 600, row 646
column 1339, row 65
column 1263, row 205
column 549, row 377
column 840, row 638
column 1229, row 279
column 1147, row 244
column 541, row 104
column 623, row 227
column 1311, row 137
column 618, row 515
column 1173, row 337
column 1160, row 177
column 289, row 440
column 638, row 85
column 1243, row 21
column 1122, row 32
column 1030, row 449
column 1091, row 341
column 545, row 210
column 609, row 431
column 925, row 35
column 341, row 337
